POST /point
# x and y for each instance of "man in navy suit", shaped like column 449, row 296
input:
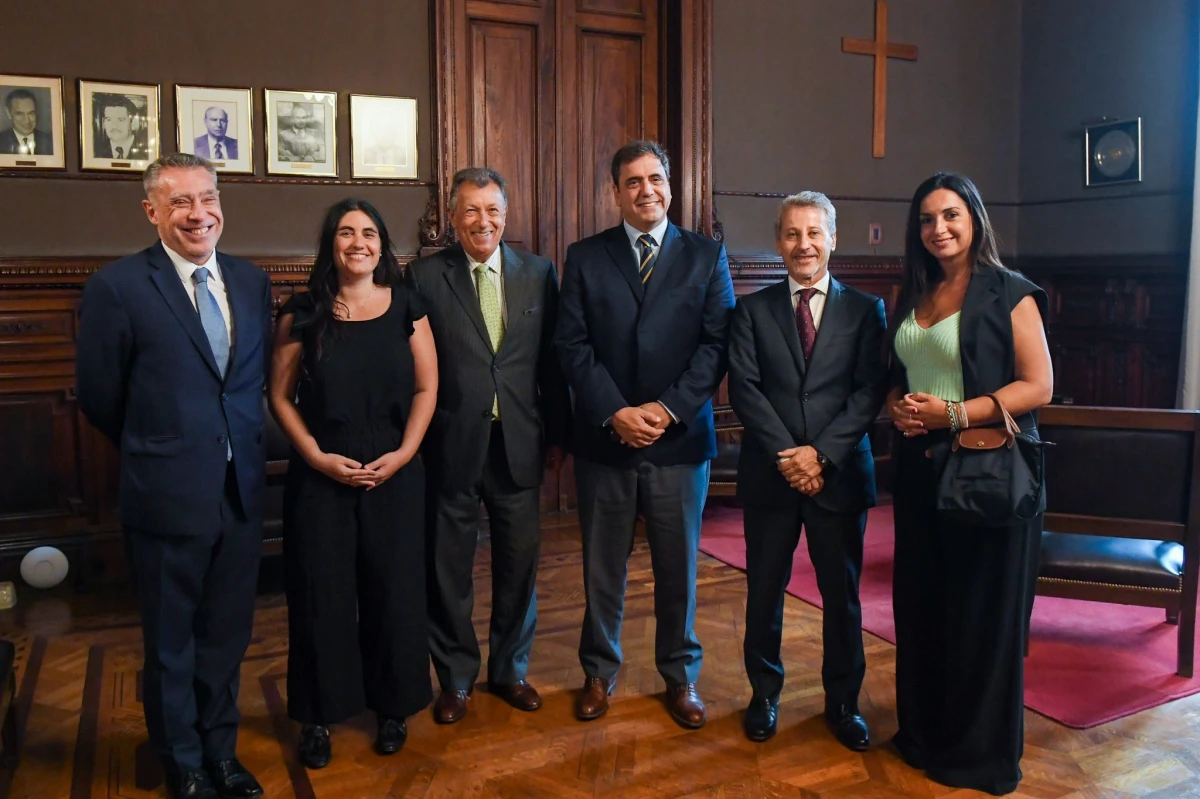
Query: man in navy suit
column 172, row 356
column 215, row 145
column 641, row 334
column 806, row 379
column 24, row 138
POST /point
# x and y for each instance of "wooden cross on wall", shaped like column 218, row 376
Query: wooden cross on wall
column 882, row 50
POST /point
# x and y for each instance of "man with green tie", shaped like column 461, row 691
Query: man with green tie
column 503, row 415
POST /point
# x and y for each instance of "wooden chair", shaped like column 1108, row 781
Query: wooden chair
column 1122, row 519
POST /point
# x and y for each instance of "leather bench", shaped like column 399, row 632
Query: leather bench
column 1123, row 511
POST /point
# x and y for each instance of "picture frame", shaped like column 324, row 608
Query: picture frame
column 383, row 137
column 118, row 126
column 1113, row 152
column 301, row 133
column 32, row 122
column 216, row 123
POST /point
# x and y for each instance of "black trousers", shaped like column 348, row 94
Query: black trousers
column 835, row 544
column 960, row 596
column 355, row 581
column 196, row 596
column 515, row 542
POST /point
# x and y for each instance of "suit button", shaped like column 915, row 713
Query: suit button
column 495, row 367
column 806, row 396
column 487, row 414
column 224, row 398
column 221, row 439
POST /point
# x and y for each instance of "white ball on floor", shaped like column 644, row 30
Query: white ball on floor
column 44, row 567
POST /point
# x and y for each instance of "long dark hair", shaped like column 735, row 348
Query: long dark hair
column 323, row 281
column 921, row 268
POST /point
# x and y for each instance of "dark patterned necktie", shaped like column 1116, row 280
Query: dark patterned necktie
column 805, row 324
column 220, row 154
column 120, row 152
column 645, row 256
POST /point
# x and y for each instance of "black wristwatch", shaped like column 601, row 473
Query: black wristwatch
column 821, row 459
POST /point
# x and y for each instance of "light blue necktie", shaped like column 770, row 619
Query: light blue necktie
column 211, row 320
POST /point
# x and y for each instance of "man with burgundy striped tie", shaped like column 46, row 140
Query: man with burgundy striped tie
column 806, row 379
column 641, row 335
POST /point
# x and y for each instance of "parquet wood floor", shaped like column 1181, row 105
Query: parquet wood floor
column 84, row 736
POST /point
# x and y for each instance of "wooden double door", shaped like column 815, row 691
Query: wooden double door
column 545, row 91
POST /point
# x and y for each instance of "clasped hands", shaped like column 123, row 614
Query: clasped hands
column 802, row 470
column 916, row 414
column 352, row 473
column 641, row 425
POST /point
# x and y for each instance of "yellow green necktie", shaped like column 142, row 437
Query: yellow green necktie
column 489, row 304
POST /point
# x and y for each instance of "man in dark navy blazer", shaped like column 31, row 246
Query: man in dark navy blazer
column 806, row 379
column 172, row 357
column 641, row 334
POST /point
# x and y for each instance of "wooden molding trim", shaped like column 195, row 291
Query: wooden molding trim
column 268, row 179
column 66, row 272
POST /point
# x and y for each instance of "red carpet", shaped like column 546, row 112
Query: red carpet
column 1089, row 662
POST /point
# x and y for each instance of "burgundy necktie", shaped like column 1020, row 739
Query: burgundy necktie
column 805, row 324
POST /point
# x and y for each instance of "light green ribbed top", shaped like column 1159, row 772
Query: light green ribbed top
column 931, row 357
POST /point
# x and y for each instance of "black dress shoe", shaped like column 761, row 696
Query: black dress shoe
column 232, row 779
column 315, row 748
column 761, row 720
column 190, row 784
column 848, row 727
column 392, row 735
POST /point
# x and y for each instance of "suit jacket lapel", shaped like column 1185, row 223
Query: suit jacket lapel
column 831, row 317
column 241, row 309
column 672, row 247
column 166, row 279
column 982, row 291
column 518, row 288
column 462, row 283
column 617, row 244
column 785, row 316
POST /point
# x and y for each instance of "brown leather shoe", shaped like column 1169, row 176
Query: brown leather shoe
column 519, row 694
column 593, row 702
column 685, row 705
column 450, row 706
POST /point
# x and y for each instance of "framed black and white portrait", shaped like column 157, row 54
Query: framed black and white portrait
column 301, row 133
column 383, row 137
column 215, row 124
column 31, row 122
column 118, row 126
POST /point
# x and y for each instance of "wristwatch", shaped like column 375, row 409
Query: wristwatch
column 821, row 459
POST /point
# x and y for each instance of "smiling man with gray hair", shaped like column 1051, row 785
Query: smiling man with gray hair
column 806, row 379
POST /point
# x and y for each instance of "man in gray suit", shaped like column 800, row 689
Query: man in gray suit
column 503, row 415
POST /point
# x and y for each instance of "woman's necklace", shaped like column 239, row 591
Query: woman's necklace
column 361, row 305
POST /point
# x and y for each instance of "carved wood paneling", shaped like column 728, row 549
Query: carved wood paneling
column 503, row 107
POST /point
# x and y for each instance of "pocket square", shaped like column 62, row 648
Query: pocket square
column 531, row 311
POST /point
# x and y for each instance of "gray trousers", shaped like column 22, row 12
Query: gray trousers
column 516, row 537
column 670, row 499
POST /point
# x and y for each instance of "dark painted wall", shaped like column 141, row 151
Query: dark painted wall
column 791, row 111
column 352, row 46
column 1086, row 59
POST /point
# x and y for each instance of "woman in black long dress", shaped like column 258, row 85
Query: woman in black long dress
column 358, row 348
column 964, row 327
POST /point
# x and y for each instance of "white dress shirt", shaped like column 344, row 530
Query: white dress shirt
column 212, row 147
column 125, row 146
column 816, row 303
column 656, row 233
column 494, row 264
column 216, row 285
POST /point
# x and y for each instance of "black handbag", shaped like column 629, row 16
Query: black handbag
column 993, row 476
